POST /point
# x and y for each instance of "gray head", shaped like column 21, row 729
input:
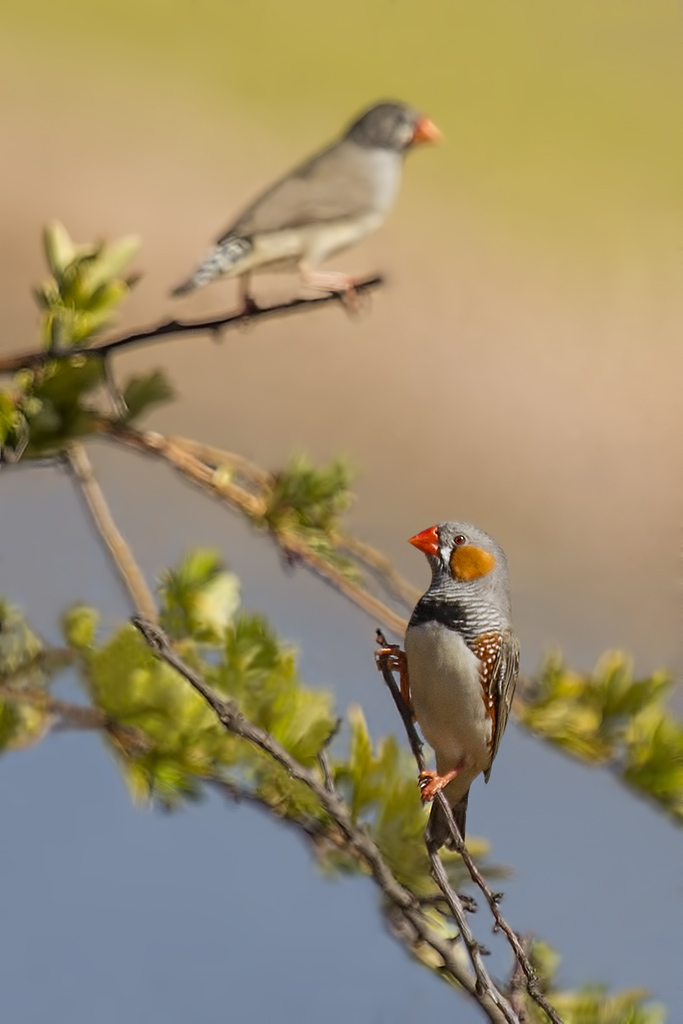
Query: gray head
column 465, row 561
column 393, row 126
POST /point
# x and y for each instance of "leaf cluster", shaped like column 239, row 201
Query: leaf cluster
column 607, row 717
column 307, row 502
column 591, row 1004
column 85, row 287
column 25, row 671
column 56, row 401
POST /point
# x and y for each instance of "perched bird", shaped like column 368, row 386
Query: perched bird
column 461, row 663
column 321, row 207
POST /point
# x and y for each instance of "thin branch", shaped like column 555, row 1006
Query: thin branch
column 414, row 925
column 323, row 759
column 378, row 563
column 218, row 457
column 46, row 660
column 517, row 986
column 151, row 443
column 66, row 715
column 122, row 556
column 293, row 548
column 80, row 717
column 216, row 325
column 368, row 556
column 491, row 898
column 315, row 831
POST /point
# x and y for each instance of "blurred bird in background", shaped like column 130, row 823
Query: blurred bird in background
column 325, row 205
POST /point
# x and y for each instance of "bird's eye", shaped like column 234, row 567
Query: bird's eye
column 459, row 540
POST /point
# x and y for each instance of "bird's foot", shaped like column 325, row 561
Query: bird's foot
column 336, row 282
column 249, row 309
column 395, row 659
column 249, row 305
column 431, row 783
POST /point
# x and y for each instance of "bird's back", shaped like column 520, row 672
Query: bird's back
column 342, row 182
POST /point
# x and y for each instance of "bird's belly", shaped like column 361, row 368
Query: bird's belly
column 280, row 250
column 312, row 244
column 445, row 683
column 325, row 240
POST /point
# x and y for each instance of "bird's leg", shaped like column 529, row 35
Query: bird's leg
column 333, row 281
column 431, row 783
column 249, row 305
column 395, row 658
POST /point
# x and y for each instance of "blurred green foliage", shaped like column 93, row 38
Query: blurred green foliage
column 306, row 502
column 591, row 1004
column 608, row 717
column 55, row 402
column 85, row 288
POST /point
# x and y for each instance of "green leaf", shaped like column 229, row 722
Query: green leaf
column 200, row 597
column 59, row 249
column 305, row 498
column 79, row 626
column 78, row 301
column 18, row 643
column 140, row 393
column 9, row 417
column 112, row 261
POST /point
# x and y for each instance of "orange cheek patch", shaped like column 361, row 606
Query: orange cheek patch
column 471, row 563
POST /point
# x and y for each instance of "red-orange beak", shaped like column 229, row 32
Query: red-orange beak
column 427, row 541
column 426, row 131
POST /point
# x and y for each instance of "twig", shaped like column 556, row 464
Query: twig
column 517, row 986
column 78, row 717
column 415, row 926
column 240, row 499
column 122, row 556
column 491, row 898
column 66, row 715
column 367, row 555
column 322, row 757
column 152, row 443
column 46, row 660
column 27, row 360
column 117, row 400
column 218, row 457
column 397, row 585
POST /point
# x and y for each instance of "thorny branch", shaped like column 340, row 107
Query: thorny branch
column 216, row 325
column 531, row 978
column 405, row 909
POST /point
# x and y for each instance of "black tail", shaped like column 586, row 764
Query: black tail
column 438, row 833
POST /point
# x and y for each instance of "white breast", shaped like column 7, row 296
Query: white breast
column 445, row 683
column 386, row 171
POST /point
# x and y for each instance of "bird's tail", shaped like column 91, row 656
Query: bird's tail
column 438, row 833
column 223, row 257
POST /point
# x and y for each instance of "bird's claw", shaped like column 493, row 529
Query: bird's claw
column 395, row 659
column 431, row 783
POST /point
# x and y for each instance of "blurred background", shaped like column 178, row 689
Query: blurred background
column 521, row 369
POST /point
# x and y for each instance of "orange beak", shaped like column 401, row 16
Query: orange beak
column 426, row 131
column 427, row 541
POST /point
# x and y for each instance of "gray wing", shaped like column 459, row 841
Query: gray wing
column 335, row 185
column 502, row 687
